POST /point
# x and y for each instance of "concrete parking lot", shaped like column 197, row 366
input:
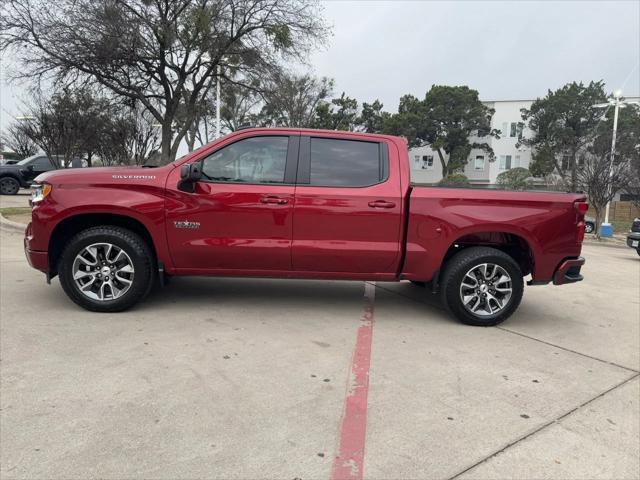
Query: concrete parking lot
column 247, row 379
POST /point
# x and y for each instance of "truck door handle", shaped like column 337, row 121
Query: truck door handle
column 381, row 204
column 274, row 200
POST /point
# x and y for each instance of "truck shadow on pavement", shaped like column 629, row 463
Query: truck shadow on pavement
column 307, row 296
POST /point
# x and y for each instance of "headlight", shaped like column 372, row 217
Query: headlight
column 39, row 192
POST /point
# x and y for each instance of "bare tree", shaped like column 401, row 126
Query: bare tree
column 600, row 184
column 16, row 139
column 291, row 100
column 240, row 106
column 163, row 54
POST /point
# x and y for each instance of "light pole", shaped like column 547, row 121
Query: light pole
column 606, row 230
column 218, row 71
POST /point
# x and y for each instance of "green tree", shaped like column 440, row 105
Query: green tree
column 339, row 114
column 515, row 179
column 563, row 123
column 163, row 54
column 372, row 118
column 445, row 120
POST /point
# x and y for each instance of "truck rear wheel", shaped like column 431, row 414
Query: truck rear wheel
column 107, row 269
column 482, row 286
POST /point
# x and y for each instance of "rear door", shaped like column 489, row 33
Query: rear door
column 347, row 214
column 239, row 217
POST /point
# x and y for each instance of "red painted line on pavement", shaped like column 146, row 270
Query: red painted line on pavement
column 348, row 463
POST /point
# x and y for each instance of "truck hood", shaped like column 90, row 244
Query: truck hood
column 106, row 175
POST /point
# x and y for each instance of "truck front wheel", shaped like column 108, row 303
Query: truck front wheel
column 482, row 286
column 9, row 186
column 106, row 269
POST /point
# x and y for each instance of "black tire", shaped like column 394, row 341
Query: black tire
column 638, row 251
column 455, row 271
column 589, row 227
column 133, row 245
column 9, row 186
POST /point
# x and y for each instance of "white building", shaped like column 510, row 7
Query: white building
column 426, row 166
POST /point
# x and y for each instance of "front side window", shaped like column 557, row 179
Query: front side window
column 41, row 164
column 252, row 160
column 479, row 162
column 345, row 163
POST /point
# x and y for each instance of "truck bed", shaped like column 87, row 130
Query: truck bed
column 441, row 220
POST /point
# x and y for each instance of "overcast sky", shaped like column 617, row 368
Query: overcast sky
column 505, row 50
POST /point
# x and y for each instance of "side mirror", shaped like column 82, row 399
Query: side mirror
column 189, row 175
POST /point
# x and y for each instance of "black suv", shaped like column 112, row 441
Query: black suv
column 633, row 238
column 21, row 174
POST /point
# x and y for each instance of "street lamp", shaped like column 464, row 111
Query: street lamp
column 218, row 71
column 606, row 230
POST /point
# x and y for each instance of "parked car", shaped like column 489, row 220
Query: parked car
column 21, row 174
column 633, row 238
column 293, row 203
column 589, row 224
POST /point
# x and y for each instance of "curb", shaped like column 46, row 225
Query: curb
column 10, row 225
column 607, row 244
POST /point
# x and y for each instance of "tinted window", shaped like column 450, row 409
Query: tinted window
column 345, row 163
column 41, row 164
column 252, row 160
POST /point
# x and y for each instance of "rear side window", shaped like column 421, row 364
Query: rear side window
column 252, row 160
column 346, row 163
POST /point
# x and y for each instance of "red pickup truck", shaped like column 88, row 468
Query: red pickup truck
column 295, row 203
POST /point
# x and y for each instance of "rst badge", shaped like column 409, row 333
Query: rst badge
column 186, row 224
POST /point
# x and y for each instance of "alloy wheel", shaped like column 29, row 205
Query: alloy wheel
column 103, row 271
column 486, row 289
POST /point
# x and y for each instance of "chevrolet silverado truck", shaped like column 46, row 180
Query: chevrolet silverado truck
column 295, row 203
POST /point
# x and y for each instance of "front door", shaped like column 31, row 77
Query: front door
column 239, row 217
column 348, row 210
column 36, row 167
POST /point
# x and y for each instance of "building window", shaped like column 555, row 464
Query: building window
column 505, row 162
column 515, row 130
column 516, row 161
column 479, row 162
column 416, row 158
column 566, row 161
column 427, row 162
column 505, row 129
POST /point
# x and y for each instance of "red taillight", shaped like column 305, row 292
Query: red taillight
column 581, row 207
column 580, row 232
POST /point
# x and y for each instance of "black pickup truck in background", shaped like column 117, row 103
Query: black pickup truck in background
column 633, row 238
column 21, row 174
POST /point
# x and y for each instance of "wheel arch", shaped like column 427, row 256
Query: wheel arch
column 74, row 224
column 13, row 175
column 521, row 249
